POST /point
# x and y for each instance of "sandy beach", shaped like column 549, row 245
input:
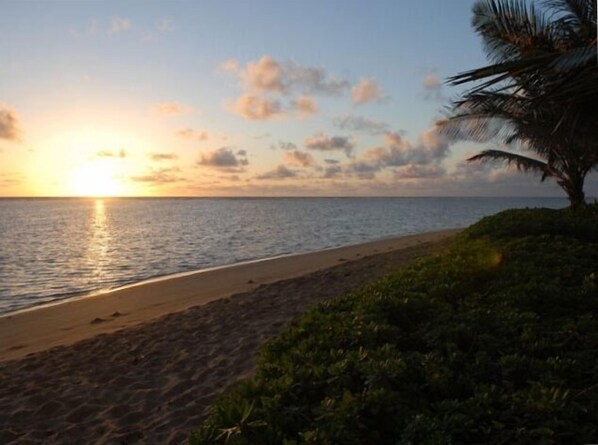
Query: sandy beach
column 142, row 364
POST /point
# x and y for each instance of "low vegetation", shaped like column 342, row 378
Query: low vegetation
column 494, row 341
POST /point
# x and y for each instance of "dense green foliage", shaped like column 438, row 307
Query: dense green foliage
column 494, row 341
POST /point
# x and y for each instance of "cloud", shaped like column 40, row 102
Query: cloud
column 365, row 169
column 433, row 145
column 224, row 159
column 163, row 156
column 322, row 142
column 268, row 75
column 285, row 146
column 314, row 80
column 332, row 171
column 159, row 176
column 280, row 172
column 305, row 106
column 118, row 25
column 271, row 88
column 166, row 25
column 172, row 109
column 360, row 124
column 430, row 148
column 414, row 171
column 10, row 179
column 433, row 87
column 112, row 154
column 367, row 90
column 252, row 107
column 299, row 159
column 422, row 158
column 395, row 139
column 264, row 76
column 431, row 82
column 9, row 124
column 198, row 135
column 230, row 66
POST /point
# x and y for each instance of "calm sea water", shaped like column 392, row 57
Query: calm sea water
column 53, row 249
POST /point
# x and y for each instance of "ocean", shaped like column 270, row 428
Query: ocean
column 54, row 249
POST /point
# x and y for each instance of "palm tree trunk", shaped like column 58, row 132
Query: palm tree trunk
column 574, row 189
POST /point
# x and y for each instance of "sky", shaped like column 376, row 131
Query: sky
column 239, row 98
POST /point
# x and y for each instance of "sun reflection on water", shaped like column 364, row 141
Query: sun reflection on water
column 99, row 239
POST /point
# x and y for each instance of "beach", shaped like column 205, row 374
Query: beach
column 142, row 364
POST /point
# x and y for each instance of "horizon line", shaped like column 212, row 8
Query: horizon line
column 282, row 197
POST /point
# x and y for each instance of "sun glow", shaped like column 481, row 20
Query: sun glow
column 92, row 161
column 95, row 179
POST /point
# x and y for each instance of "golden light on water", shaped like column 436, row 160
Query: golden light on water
column 99, row 239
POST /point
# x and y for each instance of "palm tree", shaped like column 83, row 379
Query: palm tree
column 559, row 56
column 537, row 89
column 550, row 149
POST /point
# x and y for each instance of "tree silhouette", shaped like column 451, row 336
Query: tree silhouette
column 541, row 89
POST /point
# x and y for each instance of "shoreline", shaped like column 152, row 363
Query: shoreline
column 66, row 322
column 155, row 380
column 173, row 276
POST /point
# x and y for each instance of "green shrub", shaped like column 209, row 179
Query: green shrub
column 494, row 341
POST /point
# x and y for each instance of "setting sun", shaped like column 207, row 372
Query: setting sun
column 95, row 180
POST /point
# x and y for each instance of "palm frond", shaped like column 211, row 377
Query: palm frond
column 511, row 28
column 522, row 163
column 576, row 58
column 578, row 13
